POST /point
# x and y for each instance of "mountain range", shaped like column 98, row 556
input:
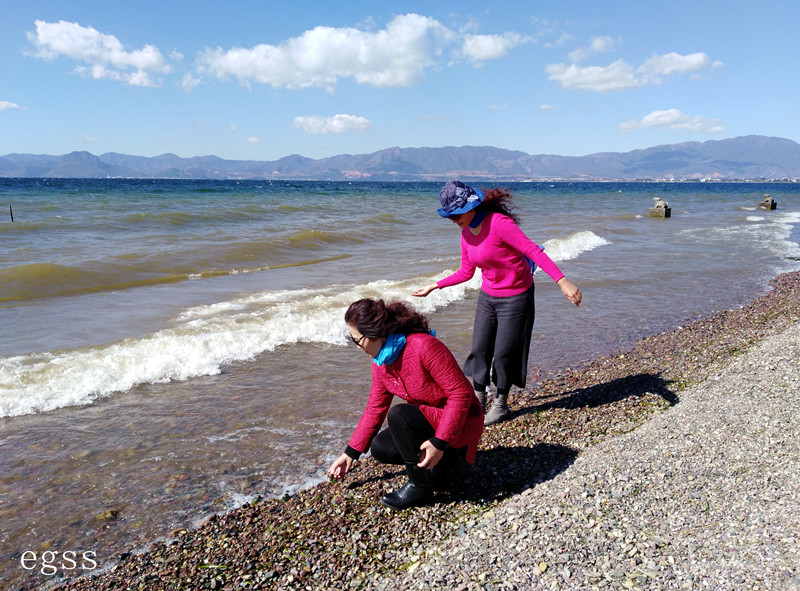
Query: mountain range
column 747, row 157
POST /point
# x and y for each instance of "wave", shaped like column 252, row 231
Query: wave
column 320, row 239
column 173, row 218
column 204, row 339
column 382, row 219
column 574, row 245
column 210, row 216
column 770, row 233
column 43, row 280
column 200, row 342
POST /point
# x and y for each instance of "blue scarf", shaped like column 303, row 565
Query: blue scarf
column 391, row 349
column 476, row 221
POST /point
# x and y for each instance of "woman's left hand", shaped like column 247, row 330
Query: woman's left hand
column 429, row 455
column 570, row 291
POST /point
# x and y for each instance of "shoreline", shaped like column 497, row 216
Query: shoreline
column 335, row 535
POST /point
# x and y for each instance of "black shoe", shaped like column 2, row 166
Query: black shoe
column 408, row 495
column 416, row 491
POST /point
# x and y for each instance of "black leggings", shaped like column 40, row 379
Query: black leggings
column 501, row 340
column 400, row 443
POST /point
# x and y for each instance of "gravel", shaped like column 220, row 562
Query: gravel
column 670, row 466
column 704, row 496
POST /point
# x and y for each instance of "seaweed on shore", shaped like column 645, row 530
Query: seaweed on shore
column 336, row 536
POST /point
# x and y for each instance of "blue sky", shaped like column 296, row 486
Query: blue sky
column 262, row 80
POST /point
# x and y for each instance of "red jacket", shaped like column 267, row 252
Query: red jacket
column 425, row 374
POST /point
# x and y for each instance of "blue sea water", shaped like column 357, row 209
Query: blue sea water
column 170, row 348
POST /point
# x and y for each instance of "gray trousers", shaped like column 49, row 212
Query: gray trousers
column 501, row 340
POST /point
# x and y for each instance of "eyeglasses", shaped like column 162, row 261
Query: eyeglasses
column 357, row 341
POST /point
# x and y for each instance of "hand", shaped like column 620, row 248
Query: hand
column 424, row 291
column 341, row 466
column 570, row 291
column 429, row 456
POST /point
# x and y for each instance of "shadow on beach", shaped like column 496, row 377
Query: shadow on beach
column 607, row 393
column 501, row 472
column 497, row 474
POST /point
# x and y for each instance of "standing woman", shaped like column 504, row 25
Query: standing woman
column 492, row 241
column 441, row 419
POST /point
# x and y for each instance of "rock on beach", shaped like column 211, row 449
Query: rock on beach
column 670, row 466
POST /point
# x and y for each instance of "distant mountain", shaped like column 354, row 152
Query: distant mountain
column 749, row 157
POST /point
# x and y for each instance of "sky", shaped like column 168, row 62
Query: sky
column 260, row 80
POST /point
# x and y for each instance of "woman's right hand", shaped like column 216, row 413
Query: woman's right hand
column 570, row 291
column 424, row 291
column 341, row 466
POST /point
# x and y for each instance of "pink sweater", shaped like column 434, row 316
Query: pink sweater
column 425, row 374
column 498, row 250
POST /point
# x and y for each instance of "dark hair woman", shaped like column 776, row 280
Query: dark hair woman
column 441, row 419
column 492, row 241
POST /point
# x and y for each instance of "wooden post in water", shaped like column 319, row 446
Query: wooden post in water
column 11, row 212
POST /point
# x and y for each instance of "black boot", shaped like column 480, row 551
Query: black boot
column 416, row 491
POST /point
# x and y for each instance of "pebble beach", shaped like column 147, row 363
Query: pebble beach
column 672, row 465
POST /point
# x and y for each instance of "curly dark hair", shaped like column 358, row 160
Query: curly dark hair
column 499, row 200
column 375, row 319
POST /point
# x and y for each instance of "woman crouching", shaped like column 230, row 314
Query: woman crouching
column 441, row 419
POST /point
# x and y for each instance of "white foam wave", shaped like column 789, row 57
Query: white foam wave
column 574, row 245
column 771, row 234
column 203, row 339
column 200, row 342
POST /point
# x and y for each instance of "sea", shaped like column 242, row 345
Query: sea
column 170, row 349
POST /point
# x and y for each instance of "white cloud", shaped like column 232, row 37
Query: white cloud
column 189, row 82
column 596, row 45
column 392, row 57
column 105, row 55
column 395, row 56
column 674, row 119
column 617, row 76
column 4, row 105
column 316, row 125
column 547, row 108
column 621, row 76
column 478, row 48
column 670, row 64
column 253, row 140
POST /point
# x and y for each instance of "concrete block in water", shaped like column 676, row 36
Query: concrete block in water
column 768, row 203
column 660, row 212
column 660, row 209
